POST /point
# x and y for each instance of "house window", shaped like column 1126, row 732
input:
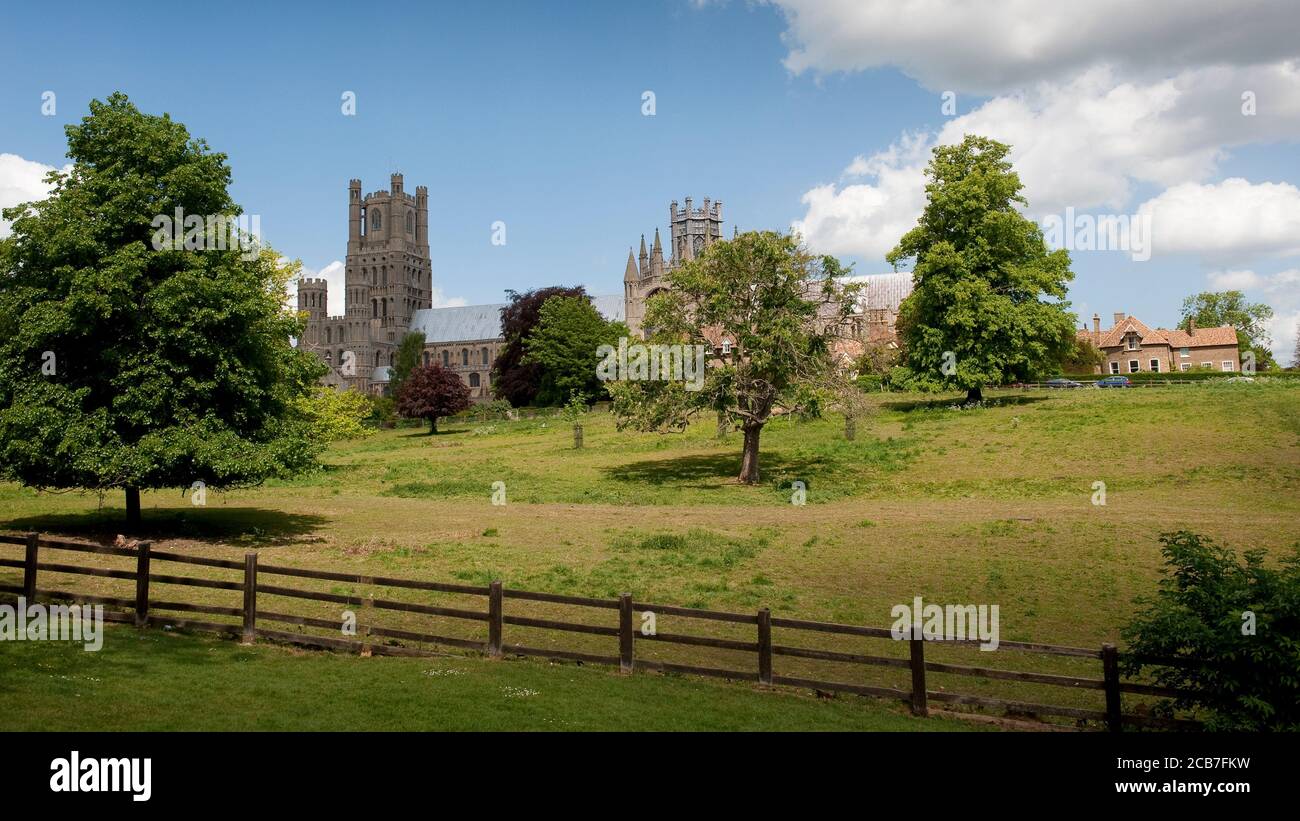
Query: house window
column 1155, row 366
column 1207, row 365
column 1186, row 366
column 1134, row 366
column 1184, row 352
column 726, row 347
column 1114, row 367
column 1132, row 340
column 1227, row 364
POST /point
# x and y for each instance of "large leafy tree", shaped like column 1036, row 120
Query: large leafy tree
column 1212, row 309
column 409, row 353
column 431, row 392
column 126, row 367
column 988, row 300
column 778, row 306
column 512, row 379
column 564, row 344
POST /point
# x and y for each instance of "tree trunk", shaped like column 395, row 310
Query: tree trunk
column 133, row 507
column 722, row 425
column 577, row 436
column 749, row 457
column 974, row 396
column 850, row 426
column 433, row 425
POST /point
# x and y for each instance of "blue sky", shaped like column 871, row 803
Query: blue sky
column 530, row 113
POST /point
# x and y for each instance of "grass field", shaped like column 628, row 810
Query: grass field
column 991, row 505
column 152, row 680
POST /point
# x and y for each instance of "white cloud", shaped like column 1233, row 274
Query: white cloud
column 1228, row 219
column 21, row 181
column 441, row 300
column 1085, row 144
column 994, row 45
column 1234, row 280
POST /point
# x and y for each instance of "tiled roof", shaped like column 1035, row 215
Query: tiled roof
column 472, row 323
column 1114, row 338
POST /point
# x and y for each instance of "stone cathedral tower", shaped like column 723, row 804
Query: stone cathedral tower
column 388, row 273
column 691, row 230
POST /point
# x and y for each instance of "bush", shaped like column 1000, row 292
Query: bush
column 337, row 415
column 383, row 412
column 1247, row 682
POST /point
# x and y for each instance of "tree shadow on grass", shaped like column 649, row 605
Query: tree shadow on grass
column 939, row 404
column 235, row 526
column 708, row 471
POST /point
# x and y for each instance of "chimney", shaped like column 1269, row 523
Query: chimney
column 1119, row 317
column 1096, row 328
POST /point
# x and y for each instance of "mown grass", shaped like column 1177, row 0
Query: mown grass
column 155, row 681
column 986, row 506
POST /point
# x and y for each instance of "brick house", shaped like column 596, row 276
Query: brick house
column 1132, row 347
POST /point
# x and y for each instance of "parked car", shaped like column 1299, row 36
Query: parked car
column 1114, row 382
column 1062, row 383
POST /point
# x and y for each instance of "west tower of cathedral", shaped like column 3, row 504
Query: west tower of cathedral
column 691, row 230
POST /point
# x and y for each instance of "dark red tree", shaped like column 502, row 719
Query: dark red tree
column 511, row 379
column 431, row 391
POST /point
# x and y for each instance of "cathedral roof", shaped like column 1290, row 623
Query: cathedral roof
column 472, row 323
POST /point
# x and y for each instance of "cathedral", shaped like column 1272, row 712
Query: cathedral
column 388, row 292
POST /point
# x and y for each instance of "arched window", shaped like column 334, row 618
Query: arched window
column 473, row 380
column 385, row 306
column 377, row 220
column 376, row 359
column 327, row 336
column 385, row 276
column 446, row 360
column 410, row 222
column 343, row 333
column 426, row 359
column 485, row 356
column 464, row 356
column 374, row 308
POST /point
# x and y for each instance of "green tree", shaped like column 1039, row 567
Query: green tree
column 1212, row 309
column 1082, row 357
column 512, row 380
column 564, row 348
column 1232, row 627
column 338, row 415
column 988, row 300
column 122, row 366
column 777, row 305
column 409, row 355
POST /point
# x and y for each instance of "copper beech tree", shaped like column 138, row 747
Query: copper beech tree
column 430, row 392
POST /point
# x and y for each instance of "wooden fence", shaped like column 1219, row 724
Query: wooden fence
column 258, row 581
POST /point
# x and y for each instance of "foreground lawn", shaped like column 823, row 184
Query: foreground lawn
column 153, row 680
column 986, row 506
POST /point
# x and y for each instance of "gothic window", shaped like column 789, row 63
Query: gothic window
column 426, row 359
column 698, row 245
column 363, row 222
column 410, row 222
column 374, row 308
column 376, row 359
column 446, row 360
column 385, row 276
column 485, row 356
column 378, row 220
column 464, row 356
column 328, row 340
column 473, row 380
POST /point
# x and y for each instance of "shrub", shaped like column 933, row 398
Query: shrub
column 1247, row 682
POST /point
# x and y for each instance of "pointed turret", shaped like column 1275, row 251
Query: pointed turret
column 630, row 275
column 657, row 257
column 644, row 259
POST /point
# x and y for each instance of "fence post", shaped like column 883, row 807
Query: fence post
column 1110, row 672
column 29, row 567
column 142, row 585
column 494, row 620
column 764, row 646
column 917, row 646
column 250, row 598
column 625, row 661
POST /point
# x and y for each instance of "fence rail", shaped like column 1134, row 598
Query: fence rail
column 251, row 614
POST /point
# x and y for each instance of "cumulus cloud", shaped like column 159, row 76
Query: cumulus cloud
column 988, row 46
column 1227, row 219
column 1086, row 143
column 21, row 181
